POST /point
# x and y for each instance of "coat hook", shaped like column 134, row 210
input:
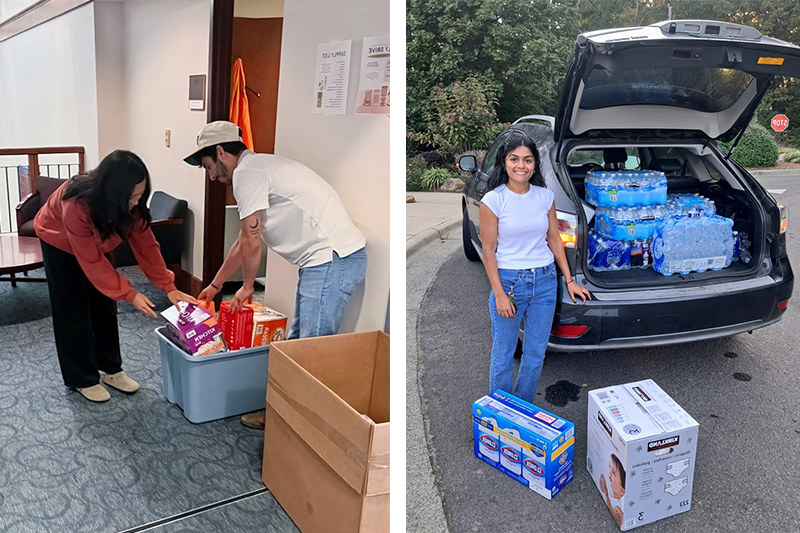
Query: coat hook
column 252, row 91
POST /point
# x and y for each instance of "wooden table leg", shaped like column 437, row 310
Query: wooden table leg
column 13, row 280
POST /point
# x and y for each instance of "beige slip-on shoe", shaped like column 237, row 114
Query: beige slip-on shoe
column 254, row 420
column 95, row 393
column 121, row 381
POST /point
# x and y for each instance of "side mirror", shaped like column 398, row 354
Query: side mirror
column 468, row 163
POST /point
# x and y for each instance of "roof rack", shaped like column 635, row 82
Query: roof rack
column 551, row 121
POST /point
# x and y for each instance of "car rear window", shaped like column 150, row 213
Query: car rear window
column 701, row 89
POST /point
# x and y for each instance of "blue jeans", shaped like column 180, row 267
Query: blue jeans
column 535, row 293
column 323, row 292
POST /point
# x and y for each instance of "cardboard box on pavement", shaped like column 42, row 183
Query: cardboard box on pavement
column 326, row 441
column 641, row 449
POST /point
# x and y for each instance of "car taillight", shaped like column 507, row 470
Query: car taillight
column 783, row 305
column 568, row 331
column 784, row 218
column 567, row 228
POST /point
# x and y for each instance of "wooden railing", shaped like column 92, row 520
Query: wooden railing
column 20, row 178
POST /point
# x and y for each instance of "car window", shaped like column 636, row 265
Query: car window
column 701, row 89
column 577, row 158
column 488, row 159
column 669, row 153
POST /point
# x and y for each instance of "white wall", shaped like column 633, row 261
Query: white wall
column 258, row 9
column 48, row 93
column 111, row 90
column 351, row 152
column 9, row 8
column 165, row 42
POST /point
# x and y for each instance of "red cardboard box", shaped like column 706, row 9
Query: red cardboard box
column 237, row 328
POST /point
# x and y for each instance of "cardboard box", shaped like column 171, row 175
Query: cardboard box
column 194, row 329
column 268, row 325
column 527, row 443
column 641, row 450
column 326, row 441
column 237, row 328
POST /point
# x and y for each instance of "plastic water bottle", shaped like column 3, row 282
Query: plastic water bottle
column 746, row 256
column 735, row 246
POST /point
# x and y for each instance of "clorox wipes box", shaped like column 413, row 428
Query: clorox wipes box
column 641, row 450
column 529, row 444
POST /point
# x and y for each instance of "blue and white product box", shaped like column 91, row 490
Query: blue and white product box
column 529, row 444
column 641, row 451
column 617, row 188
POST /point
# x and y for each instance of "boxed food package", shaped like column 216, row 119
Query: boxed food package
column 326, row 444
column 268, row 325
column 194, row 328
column 641, row 450
column 527, row 443
column 237, row 328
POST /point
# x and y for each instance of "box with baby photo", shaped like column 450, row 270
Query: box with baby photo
column 641, row 451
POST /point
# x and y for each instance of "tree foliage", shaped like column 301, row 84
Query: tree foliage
column 521, row 49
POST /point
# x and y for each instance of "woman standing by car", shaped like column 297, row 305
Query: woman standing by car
column 83, row 220
column 519, row 232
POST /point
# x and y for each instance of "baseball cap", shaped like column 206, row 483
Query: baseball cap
column 213, row 134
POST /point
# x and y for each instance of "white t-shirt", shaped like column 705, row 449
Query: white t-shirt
column 521, row 226
column 304, row 220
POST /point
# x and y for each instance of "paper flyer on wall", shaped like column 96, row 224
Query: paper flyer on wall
column 330, row 78
column 373, row 96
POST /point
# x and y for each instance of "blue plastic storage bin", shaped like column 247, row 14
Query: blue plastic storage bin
column 211, row 387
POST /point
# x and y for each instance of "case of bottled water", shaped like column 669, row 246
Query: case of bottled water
column 683, row 245
column 608, row 254
column 626, row 188
column 629, row 223
column 690, row 205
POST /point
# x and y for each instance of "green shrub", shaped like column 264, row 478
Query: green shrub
column 434, row 178
column 463, row 117
column 415, row 168
column 792, row 154
column 757, row 148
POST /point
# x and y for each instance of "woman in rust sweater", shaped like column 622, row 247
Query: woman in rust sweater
column 83, row 220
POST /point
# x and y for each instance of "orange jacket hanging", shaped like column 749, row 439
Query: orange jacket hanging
column 240, row 108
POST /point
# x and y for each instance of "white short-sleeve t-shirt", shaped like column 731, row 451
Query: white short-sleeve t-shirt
column 304, row 220
column 522, row 223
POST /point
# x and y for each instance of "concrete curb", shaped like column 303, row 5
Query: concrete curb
column 425, row 237
column 776, row 172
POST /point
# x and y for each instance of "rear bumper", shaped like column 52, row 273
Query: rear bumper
column 657, row 318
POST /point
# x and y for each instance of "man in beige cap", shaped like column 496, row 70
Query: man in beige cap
column 295, row 213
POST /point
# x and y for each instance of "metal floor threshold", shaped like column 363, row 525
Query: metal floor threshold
column 194, row 512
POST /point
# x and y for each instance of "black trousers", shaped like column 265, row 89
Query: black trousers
column 84, row 321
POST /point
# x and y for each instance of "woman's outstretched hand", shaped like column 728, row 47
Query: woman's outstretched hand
column 143, row 304
column 576, row 290
column 178, row 296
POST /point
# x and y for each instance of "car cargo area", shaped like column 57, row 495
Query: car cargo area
column 693, row 193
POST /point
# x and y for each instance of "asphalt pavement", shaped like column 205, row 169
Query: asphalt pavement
column 742, row 390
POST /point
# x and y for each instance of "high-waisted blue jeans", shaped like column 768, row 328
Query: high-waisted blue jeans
column 535, row 294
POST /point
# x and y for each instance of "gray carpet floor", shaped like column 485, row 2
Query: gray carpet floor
column 67, row 465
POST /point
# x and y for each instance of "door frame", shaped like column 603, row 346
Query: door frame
column 219, row 83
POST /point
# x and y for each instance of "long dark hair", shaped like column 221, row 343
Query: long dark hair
column 107, row 190
column 499, row 176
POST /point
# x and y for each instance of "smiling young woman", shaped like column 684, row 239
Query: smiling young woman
column 521, row 246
